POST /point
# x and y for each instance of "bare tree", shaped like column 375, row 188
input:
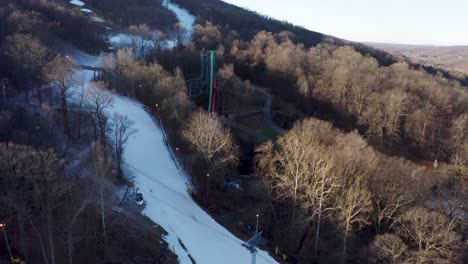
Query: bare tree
column 460, row 162
column 98, row 101
column 177, row 107
column 458, row 130
column 157, row 40
column 206, row 36
column 80, row 100
column 213, row 142
column 141, row 35
column 393, row 191
column 384, row 114
column 128, row 68
column 180, row 32
column 387, row 249
column 37, row 174
column 101, row 167
column 29, row 56
column 121, row 132
column 354, row 208
column 289, row 169
column 80, row 199
column 420, row 123
column 60, row 72
column 431, row 235
column 320, row 190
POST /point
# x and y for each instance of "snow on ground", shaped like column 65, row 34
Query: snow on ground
column 87, row 10
column 123, row 40
column 98, row 19
column 77, row 3
column 81, row 57
column 185, row 18
column 167, row 203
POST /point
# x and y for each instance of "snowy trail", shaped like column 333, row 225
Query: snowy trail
column 192, row 233
column 185, row 18
column 149, row 163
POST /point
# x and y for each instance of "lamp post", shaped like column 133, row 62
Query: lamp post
column 3, row 227
column 256, row 227
column 207, row 183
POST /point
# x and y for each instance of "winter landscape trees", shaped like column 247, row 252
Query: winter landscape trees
column 352, row 182
column 327, row 176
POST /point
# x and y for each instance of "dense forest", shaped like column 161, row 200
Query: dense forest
column 371, row 167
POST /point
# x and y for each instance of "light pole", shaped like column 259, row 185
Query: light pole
column 207, row 183
column 3, row 227
column 256, row 227
column 251, row 244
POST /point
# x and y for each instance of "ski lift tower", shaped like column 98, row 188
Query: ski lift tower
column 251, row 244
column 206, row 83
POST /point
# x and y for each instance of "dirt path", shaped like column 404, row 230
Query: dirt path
column 266, row 110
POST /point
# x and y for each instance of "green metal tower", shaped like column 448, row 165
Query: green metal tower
column 206, row 83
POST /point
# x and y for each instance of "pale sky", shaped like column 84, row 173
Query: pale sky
column 443, row 22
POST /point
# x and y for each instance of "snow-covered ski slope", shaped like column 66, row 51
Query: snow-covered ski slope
column 167, row 202
column 149, row 163
column 184, row 17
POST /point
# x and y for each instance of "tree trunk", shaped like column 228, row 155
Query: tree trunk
column 41, row 243
column 102, row 213
column 51, row 237
column 318, row 226
column 23, row 242
column 345, row 238
column 70, row 232
column 65, row 115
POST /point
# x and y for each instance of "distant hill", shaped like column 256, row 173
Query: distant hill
column 453, row 58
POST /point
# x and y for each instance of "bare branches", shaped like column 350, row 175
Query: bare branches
column 28, row 54
column 354, row 209
column 60, row 72
column 212, row 142
column 431, row 235
column 121, row 132
column 99, row 100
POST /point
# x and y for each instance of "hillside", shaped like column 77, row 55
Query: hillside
column 181, row 131
column 453, row 58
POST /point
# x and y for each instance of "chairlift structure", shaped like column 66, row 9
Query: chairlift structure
column 206, row 83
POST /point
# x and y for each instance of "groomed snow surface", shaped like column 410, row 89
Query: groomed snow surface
column 184, row 17
column 77, row 3
column 149, row 163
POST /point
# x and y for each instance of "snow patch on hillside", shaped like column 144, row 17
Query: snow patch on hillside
column 77, row 3
column 184, row 17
